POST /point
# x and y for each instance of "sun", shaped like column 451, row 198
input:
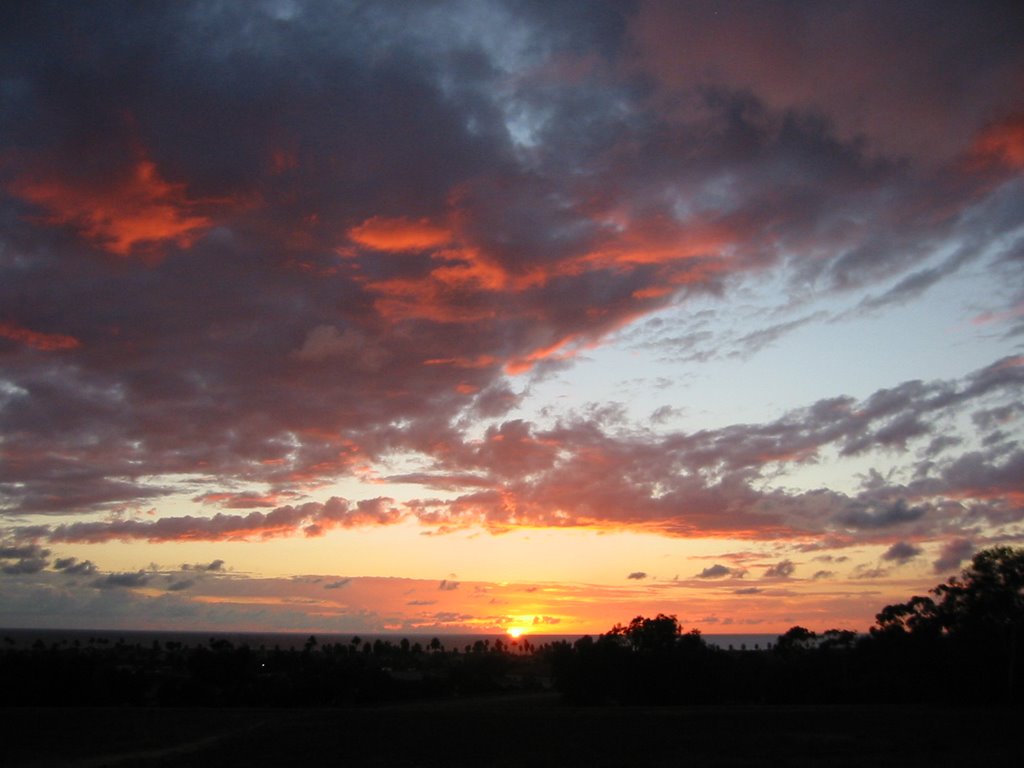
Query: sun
column 515, row 632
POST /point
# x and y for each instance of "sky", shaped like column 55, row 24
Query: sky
column 468, row 317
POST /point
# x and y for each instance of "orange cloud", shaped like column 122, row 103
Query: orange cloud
column 569, row 346
column 451, row 293
column 403, row 299
column 656, row 240
column 482, row 361
column 47, row 342
column 469, row 268
column 399, row 234
column 556, row 351
column 137, row 213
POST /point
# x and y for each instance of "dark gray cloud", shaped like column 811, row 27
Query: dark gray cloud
column 122, row 580
column 72, row 566
column 19, row 551
column 716, row 571
column 887, row 515
column 781, row 570
column 22, row 559
column 637, row 575
column 866, row 572
column 901, row 552
column 215, row 566
column 954, row 553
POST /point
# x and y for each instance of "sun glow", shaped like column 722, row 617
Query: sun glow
column 515, row 632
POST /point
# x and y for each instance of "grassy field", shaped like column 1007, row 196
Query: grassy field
column 510, row 732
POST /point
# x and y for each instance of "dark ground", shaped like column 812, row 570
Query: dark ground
column 512, row 731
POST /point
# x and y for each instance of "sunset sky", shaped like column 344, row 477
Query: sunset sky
column 476, row 316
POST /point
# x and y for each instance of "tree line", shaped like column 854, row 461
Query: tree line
column 959, row 644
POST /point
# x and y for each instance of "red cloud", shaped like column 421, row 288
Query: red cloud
column 403, row 299
column 312, row 519
column 47, row 342
column 240, row 500
column 562, row 349
column 137, row 213
column 399, row 234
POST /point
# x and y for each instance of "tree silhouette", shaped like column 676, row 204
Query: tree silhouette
column 987, row 597
column 796, row 639
column 650, row 635
column 977, row 618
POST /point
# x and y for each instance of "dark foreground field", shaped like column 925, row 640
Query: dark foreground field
column 514, row 731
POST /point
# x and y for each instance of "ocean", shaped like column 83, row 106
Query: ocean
column 23, row 638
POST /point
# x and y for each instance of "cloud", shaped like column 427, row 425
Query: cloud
column 684, row 484
column 901, row 552
column 664, row 413
column 73, row 567
column 1000, row 143
column 20, row 559
column 310, row 519
column 326, row 341
column 834, row 70
column 215, row 566
column 953, row 553
column 122, row 580
column 338, row 584
column 11, row 551
column 445, row 263
column 781, row 570
column 887, row 515
column 371, row 272
column 716, row 571
column 748, row 591
column 23, row 566
column 47, row 342
column 136, row 212
column 637, row 575
column 399, row 234
column 865, row 572
column 447, row 586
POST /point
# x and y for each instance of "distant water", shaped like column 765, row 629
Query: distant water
column 23, row 638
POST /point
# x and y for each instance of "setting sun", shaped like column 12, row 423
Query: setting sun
column 515, row 632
